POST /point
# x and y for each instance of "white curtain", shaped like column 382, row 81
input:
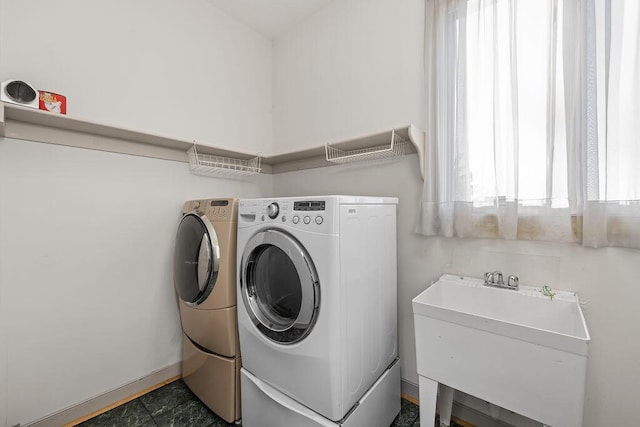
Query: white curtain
column 610, row 152
column 520, row 139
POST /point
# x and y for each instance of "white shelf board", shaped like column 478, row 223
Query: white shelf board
column 34, row 125
column 315, row 157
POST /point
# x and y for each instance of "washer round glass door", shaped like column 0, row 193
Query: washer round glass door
column 279, row 286
column 196, row 258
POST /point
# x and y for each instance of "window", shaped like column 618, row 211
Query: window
column 531, row 128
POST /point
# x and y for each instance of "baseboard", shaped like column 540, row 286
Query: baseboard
column 110, row 399
column 477, row 411
column 409, row 391
column 466, row 409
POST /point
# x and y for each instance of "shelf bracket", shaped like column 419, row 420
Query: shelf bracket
column 416, row 136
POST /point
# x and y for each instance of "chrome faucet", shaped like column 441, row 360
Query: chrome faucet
column 496, row 279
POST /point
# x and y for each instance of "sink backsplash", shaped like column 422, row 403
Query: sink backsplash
column 532, row 267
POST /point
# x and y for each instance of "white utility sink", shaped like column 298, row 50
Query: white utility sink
column 518, row 349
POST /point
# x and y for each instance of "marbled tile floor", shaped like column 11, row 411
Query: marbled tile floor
column 175, row 405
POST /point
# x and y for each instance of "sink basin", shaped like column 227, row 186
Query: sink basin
column 518, row 349
column 525, row 314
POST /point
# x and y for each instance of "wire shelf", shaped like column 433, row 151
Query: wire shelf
column 208, row 165
column 395, row 148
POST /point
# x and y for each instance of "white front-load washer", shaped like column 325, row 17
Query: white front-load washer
column 317, row 308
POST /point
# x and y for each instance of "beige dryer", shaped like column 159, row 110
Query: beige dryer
column 204, row 278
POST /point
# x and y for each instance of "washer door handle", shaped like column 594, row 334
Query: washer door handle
column 251, row 284
column 204, row 260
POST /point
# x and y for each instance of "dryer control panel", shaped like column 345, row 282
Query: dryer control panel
column 214, row 209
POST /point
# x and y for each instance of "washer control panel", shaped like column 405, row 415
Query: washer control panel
column 308, row 211
column 312, row 215
column 273, row 210
column 309, row 205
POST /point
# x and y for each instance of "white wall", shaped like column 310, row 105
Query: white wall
column 4, row 363
column 176, row 68
column 353, row 68
column 86, row 278
column 606, row 279
column 196, row 74
column 86, row 296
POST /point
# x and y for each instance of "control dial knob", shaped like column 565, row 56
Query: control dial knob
column 272, row 210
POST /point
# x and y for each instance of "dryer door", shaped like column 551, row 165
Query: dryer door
column 196, row 259
column 279, row 286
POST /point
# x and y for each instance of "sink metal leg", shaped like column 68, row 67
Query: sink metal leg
column 428, row 393
column 445, row 404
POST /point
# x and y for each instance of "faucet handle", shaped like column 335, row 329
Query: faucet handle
column 497, row 277
column 488, row 278
column 513, row 281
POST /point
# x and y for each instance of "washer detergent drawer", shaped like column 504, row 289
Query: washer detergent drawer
column 214, row 379
column 267, row 407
